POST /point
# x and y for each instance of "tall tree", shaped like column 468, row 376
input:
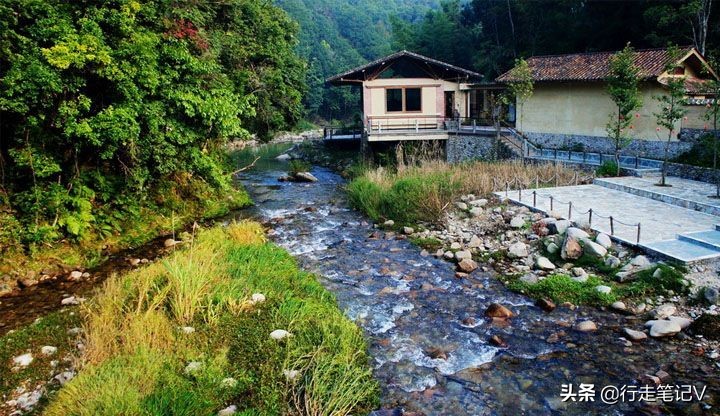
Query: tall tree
column 671, row 103
column 623, row 88
column 712, row 113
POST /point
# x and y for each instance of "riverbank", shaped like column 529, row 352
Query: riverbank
column 226, row 323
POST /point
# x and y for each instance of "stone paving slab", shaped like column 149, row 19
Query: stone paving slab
column 659, row 221
column 683, row 192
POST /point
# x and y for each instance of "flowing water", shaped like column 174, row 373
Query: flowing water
column 412, row 310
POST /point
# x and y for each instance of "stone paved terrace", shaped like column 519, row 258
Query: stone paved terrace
column 683, row 192
column 661, row 223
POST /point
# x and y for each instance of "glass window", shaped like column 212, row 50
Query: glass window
column 394, row 99
column 413, row 99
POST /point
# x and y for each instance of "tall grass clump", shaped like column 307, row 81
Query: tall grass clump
column 422, row 189
column 138, row 347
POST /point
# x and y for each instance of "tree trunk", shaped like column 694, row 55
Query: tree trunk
column 665, row 160
column 715, row 155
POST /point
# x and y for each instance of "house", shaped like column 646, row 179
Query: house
column 407, row 96
column 570, row 107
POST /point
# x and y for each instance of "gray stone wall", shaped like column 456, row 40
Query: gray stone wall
column 653, row 149
column 464, row 148
column 691, row 172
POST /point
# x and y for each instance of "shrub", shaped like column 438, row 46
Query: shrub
column 297, row 166
column 607, row 169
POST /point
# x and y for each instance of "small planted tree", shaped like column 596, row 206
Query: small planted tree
column 522, row 86
column 622, row 86
column 672, row 107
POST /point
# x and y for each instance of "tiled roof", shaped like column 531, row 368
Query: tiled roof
column 594, row 66
column 359, row 72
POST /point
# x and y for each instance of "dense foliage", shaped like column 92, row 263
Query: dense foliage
column 337, row 35
column 488, row 35
column 109, row 105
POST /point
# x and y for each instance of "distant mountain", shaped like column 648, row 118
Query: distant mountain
column 336, row 35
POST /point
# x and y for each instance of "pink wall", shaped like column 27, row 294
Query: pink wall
column 367, row 101
column 440, row 101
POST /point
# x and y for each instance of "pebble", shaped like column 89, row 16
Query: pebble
column 664, row 328
column 230, row 410
column 23, row 360
column 543, row 263
column 280, row 334
column 586, row 326
column 496, row 310
column 634, row 335
column 48, row 350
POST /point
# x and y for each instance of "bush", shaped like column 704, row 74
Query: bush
column 562, row 288
column 607, row 169
column 297, row 166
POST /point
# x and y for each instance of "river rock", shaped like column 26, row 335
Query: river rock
column 48, row 350
column 546, row 304
column 280, row 334
column 228, row 411
column 664, row 310
column 478, row 202
column 496, row 310
column 529, row 279
column 619, row 306
column 681, row 321
column 517, row 222
column 612, row 261
column 304, row 177
column 461, row 206
column 463, row 254
column 28, row 400
column 72, row 300
column 594, row 249
column 170, row 242
column 408, row 230
column 559, row 226
column 75, row 275
column 436, row 353
column 586, row 326
column 571, row 249
column 552, row 248
column 467, row 265
column 498, row 342
column 603, row 289
column 711, row 295
column 475, row 212
column 283, row 157
column 576, row 233
column 455, row 246
column 663, row 328
column 604, row 240
column 475, row 242
column 543, row 263
column 518, row 250
column 23, row 360
column 634, row 335
column 449, row 255
column 134, row 262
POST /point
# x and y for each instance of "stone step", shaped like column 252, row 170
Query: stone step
column 709, row 239
column 688, row 252
column 657, row 195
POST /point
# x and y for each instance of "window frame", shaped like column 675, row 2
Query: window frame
column 403, row 96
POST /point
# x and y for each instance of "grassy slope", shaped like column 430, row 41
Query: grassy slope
column 136, row 354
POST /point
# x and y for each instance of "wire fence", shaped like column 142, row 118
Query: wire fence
column 554, row 202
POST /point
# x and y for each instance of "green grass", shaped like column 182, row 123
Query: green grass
column 50, row 330
column 644, row 284
column 296, row 166
column 428, row 243
column 136, row 355
column 562, row 288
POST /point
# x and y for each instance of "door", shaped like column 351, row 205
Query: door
column 449, row 103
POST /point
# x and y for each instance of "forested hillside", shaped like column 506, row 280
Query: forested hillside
column 336, row 35
column 488, row 35
column 113, row 113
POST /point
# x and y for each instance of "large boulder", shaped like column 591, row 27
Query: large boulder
column 604, row 240
column 517, row 222
column 663, row 328
column 467, row 265
column 518, row 250
column 559, row 226
column 594, row 249
column 571, row 249
column 543, row 263
column 577, row 233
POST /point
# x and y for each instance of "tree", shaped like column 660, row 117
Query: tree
column 671, row 103
column 521, row 88
column 622, row 86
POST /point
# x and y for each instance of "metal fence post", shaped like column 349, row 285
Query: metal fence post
column 551, row 203
column 507, row 189
column 590, row 217
column 534, row 199
column 638, row 234
column 569, row 209
column 612, row 226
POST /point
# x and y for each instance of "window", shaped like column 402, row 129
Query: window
column 403, row 99
column 679, row 70
column 413, row 99
column 394, row 99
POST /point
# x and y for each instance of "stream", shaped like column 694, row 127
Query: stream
column 428, row 357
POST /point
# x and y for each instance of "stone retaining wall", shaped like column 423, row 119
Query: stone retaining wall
column 653, row 149
column 464, row 148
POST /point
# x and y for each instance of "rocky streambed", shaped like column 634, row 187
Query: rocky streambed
column 434, row 348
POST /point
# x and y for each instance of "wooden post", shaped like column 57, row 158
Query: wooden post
column 612, row 226
column 507, row 189
column 569, row 210
column 551, row 203
column 534, row 199
column 638, row 234
column 590, row 217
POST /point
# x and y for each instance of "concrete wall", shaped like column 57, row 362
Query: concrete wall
column 433, row 99
column 464, row 148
